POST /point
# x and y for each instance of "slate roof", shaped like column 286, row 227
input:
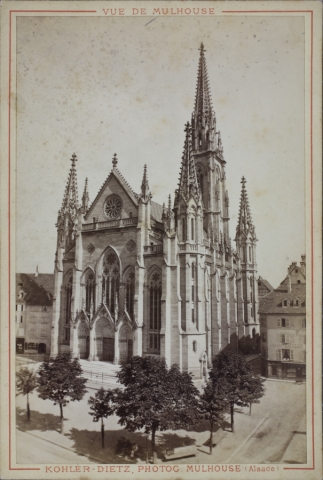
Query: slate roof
column 156, row 211
column 273, row 302
column 266, row 284
column 39, row 290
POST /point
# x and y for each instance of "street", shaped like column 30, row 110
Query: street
column 263, row 437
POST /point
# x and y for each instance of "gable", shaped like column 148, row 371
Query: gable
column 118, row 187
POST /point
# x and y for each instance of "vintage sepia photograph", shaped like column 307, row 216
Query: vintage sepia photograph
column 162, row 248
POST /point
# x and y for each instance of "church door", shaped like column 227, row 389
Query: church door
column 130, row 349
column 108, row 349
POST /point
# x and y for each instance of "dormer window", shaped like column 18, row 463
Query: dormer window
column 285, row 303
column 297, row 302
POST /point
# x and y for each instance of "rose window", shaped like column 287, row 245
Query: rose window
column 112, row 207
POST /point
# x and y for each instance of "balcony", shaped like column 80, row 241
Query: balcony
column 120, row 222
column 153, row 249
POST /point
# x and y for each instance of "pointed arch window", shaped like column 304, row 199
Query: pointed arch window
column 110, row 280
column 68, row 308
column 130, row 291
column 89, row 291
column 155, row 292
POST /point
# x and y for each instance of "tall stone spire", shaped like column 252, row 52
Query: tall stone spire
column 85, row 197
column 245, row 224
column 145, row 191
column 203, row 117
column 203, row 100
column 188, row 183
column 70, row 201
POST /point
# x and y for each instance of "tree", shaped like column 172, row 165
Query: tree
column 102, row 407
column 155, row 398
column 60, row 380
column 26, row 382
column 213, row 403
column 254, row 391
column 233, row 375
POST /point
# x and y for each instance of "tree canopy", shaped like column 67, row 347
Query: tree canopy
column 26, row 382
column 60, row 380
column 213, row 404
column 233, row 376
column 155, row 398
column 102, row 407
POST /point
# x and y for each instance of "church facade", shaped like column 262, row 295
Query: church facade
column 133, row 277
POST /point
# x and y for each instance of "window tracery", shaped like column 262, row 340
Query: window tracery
column 110, row 280
column 68, row 307
column 130, row 291
column 155, row 292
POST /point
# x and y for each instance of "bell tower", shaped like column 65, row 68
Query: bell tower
column 208, row 155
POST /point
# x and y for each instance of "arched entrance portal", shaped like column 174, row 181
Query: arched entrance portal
column 125, row 343
column 84, row 340
column 104, row 333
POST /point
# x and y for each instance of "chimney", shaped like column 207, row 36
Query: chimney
column 36, row 274
column 303, row 264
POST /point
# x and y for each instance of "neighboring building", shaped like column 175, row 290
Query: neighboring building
column 34, row 308
column 264, row 287
column 133, row 277
column 283, row 326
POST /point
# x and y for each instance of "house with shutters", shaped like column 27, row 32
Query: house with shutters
column 283, row 326
column 133, row 277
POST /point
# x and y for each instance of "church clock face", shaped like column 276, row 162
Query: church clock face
column 112, row 207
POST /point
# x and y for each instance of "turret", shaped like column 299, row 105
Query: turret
column 246, row 247
column 85, row 198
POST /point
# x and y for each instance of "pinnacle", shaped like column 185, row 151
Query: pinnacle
column 245, row 219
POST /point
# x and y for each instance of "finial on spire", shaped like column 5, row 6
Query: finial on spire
column 169, row 203
column 243, row 181
column 202, row 49
column 115, row 160
column 73, row 159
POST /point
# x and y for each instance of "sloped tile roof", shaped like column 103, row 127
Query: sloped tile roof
column 266, row 284
column 273, row 302
column 39, row 290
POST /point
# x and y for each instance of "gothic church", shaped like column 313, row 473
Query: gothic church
column 133, row 277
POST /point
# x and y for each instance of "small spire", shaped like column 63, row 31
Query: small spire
column 115, row 160
column 245, row 223
column 188, row 184
column 70, row 200
column 145, row 191
column 169, row 204
column 85, row 197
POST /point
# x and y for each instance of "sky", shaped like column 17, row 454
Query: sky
column 99, row 86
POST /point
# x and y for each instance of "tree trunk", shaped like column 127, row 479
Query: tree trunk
column 232, row 417
column 28, row 408
column 62, row 417
column 153, row 445
column 102, row 432
column 211, row 438
column 250, row 408
column 147, row 449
